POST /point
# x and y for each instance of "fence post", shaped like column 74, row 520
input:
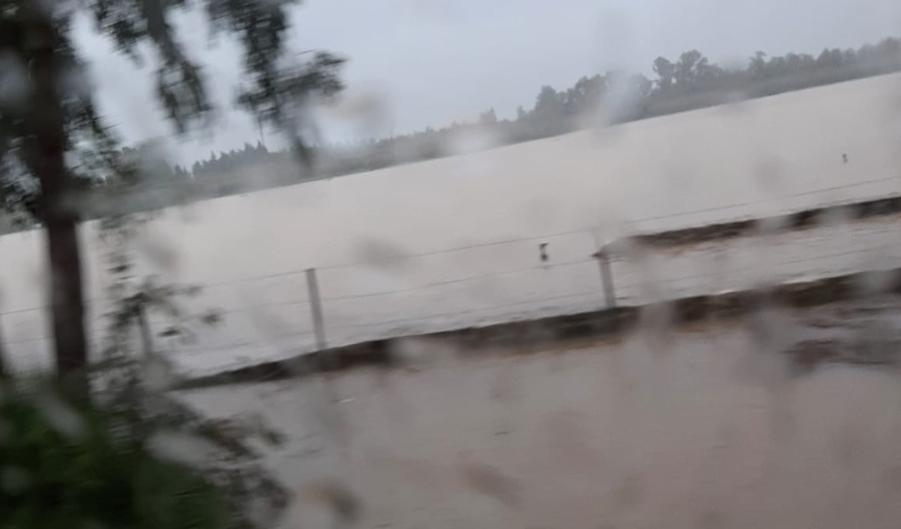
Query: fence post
column 316, row 309
column 603, row 258
column 144, row 327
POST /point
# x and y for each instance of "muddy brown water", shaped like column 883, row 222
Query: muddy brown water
column 713, row 426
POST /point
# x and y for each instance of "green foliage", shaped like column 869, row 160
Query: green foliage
column 132, row 456
column 90, row 466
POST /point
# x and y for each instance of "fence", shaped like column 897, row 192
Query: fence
column 287, row 312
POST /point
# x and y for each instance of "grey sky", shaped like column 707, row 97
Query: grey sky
column 428, row 62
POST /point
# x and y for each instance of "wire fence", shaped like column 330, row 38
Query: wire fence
column 280, row 314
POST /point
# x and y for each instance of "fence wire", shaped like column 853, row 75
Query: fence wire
column 558, row 276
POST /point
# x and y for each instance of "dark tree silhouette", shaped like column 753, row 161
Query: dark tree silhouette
column 665, row 71
column 46, row 120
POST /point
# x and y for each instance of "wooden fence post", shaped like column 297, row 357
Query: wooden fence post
column 603, row 258
column 316, row 309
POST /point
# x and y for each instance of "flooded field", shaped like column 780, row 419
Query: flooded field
column 719, row 426
column 507, row 233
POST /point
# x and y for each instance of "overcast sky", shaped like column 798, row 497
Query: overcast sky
column 416, row 63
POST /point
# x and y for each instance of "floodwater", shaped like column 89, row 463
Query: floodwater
column 666, row 428
column 703, row 429
column 456, row 241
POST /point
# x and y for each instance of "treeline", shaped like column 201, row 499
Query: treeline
column 689, row 82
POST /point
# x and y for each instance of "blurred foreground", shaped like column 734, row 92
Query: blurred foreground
column 709, row 426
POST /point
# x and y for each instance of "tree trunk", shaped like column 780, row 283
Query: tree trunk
column 46, row 146
column 66, row 295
